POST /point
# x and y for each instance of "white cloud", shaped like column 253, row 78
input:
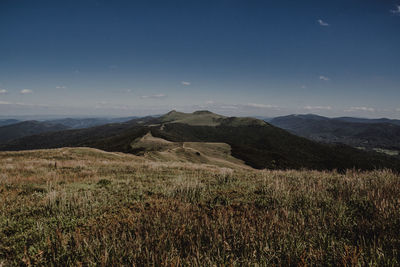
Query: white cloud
column 398, row 109
column 243, row 107
column 26, row 91
column 229, row 107
column 324, row 78
column 303, row 87
column 128, row 90
column 3, row 91
column 352, row 109
column 157, row 96
column 186, row 83
column 318, row 107
column 22, row 104
column 200, row 106
column 61, row 87
column 255, row 105
column 323, row 23
column 396, row 11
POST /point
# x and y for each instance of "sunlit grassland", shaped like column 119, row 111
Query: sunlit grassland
column 87, row 207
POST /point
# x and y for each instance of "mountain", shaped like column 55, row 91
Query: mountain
column 27, row 128
column 363, row 120
column 6, row 122
column 207, row 118
column 255, row 142
column 14, row 129
column 369, row 135
column 203, row 117
column 74, row 123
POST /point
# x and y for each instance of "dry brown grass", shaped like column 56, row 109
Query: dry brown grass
column 87, row 207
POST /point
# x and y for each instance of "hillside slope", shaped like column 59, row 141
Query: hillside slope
column 159, row 149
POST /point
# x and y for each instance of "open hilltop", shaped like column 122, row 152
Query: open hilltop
column 84, row 206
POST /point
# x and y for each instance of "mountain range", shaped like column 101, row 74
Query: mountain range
column 27, row 128
column 255, row 142
column 13, row 129
column 80, row 123
column 367, row 134
column 363, row 120
column 5, row 122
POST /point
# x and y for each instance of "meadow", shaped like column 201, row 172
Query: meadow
column 86, row 207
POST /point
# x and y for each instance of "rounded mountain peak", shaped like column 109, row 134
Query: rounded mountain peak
column 200, row 112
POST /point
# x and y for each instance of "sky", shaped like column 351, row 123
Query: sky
column 233, row 57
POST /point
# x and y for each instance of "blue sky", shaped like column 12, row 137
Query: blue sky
column 248, row 57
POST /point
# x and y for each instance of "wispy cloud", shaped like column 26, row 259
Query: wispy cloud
column 26, row 91
column 255, row 105
column 61, row 87
column 242, row 107
column 396, row 11
column 157, row 96
column 398, row 109
column 324, row 78
column 318, row 107
column 229, row 107
column 22, row 104
column 353, row 109
column 323, row 23
column 303, row 87
column 186, row 83
column 29, row 105
column 3, row 91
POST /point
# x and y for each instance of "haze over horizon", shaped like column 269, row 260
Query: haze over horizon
column 239, row 58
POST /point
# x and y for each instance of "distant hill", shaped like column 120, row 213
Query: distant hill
column 207, row 118
column 369, row 134
column 6, row 122
column 27, row 128
column 255, row 142
column 363, row 120
column 14, row 129
column 204, row 118
column 74, row 123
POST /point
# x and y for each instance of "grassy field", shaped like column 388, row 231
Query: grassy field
column 84, row 207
